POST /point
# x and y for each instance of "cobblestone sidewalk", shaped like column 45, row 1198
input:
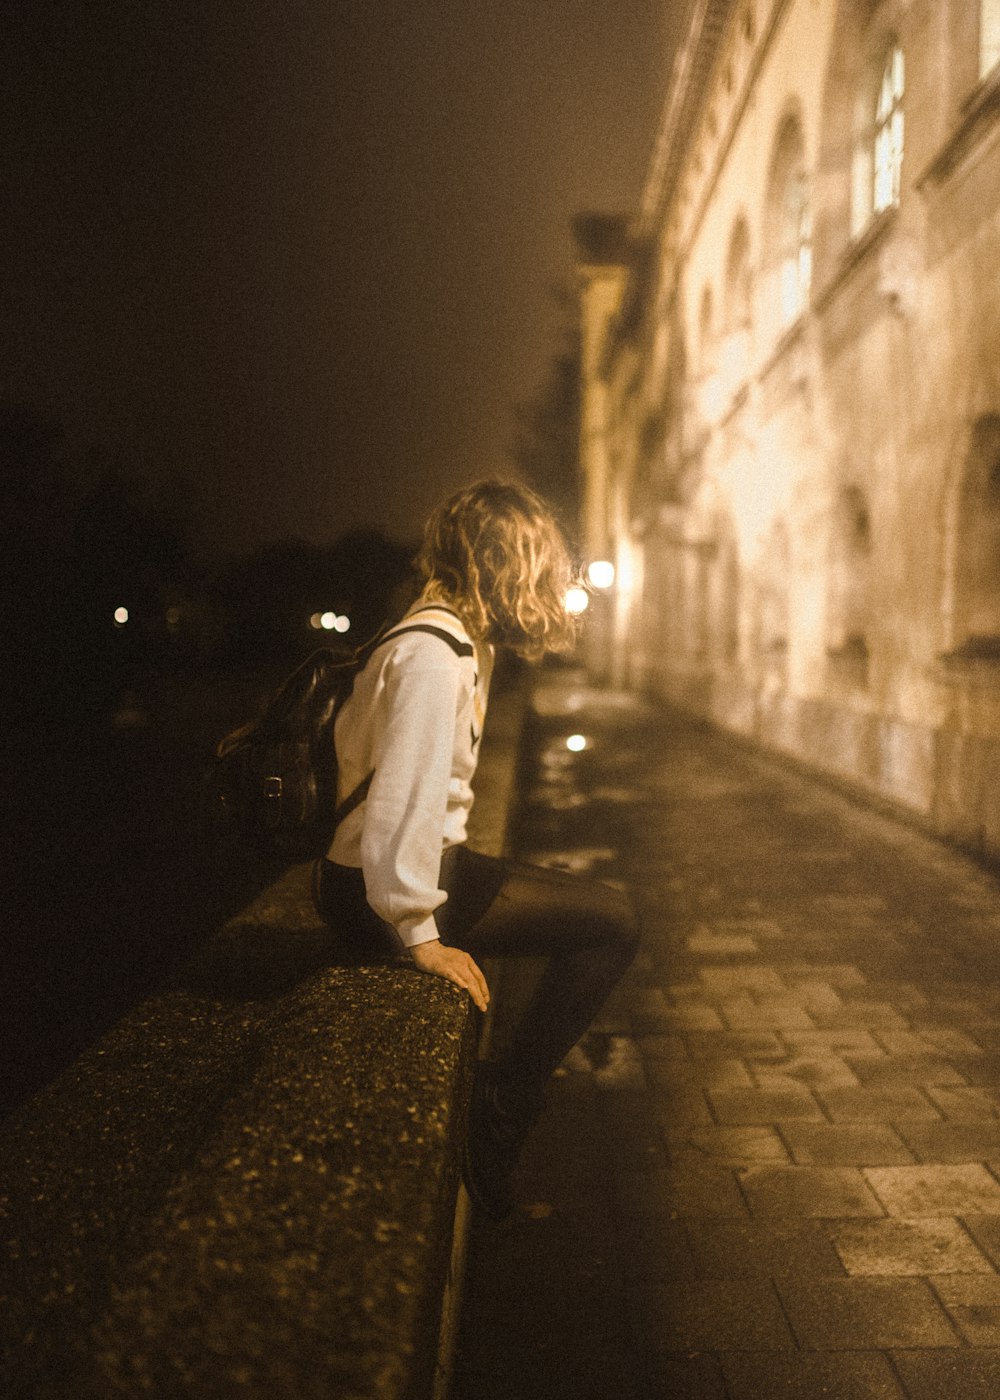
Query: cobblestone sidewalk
column 772, row 1170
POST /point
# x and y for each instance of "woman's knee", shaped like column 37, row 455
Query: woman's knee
column 619, row 920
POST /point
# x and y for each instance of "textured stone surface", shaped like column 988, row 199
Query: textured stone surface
column 862, row 1148
column 248, row 1187
column 241, row 1197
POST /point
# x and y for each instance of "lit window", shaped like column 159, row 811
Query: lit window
column 889, row 133
column 989, row 36
column 788, row 226
column 795, row 271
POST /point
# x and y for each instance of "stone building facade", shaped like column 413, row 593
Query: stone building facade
column 790, row 442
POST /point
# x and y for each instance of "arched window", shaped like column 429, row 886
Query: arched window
column 771, row 601
column 889, row 132
column 989, row 36
column 850, row 588
column 796, row 247
column 977, row 560
column 706, row 335
column 737, row 310
column 878, row 150
column 789, row 225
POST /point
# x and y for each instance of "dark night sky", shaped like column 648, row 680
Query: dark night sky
column 293, row 260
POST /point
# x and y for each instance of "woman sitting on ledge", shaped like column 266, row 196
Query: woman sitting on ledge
column 398, row 874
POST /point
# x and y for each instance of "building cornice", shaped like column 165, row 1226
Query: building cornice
column 685, row 94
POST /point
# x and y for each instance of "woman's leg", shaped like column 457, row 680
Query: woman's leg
column 589, row 933
column 587, row 930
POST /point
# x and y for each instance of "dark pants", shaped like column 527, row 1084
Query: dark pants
column 500, row 908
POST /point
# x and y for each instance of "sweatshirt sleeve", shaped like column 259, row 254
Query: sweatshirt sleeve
column 414, row 740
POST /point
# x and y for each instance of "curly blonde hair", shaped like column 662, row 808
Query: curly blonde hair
column 495, row 553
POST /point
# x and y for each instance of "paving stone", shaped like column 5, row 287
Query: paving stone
column 770, row 1248
column 776, row 1375
column 689, row 1188
column 845, row 1144
column 966, row 1104
column 898, row 1247
column 961, row 1375
column 688, row 1018
column 852, row 903
column 817, row 1071
column 897, row 1071
column 662, row 1047
column 935, row 1190
column 818, row 998
column 682, row 1106
column 757, row 1106
column 811, row 1192
column 758, row 928
column 973, row 1303
column 981, row 1069
column 863, row 1015
column 863, row 1313
column 848, row 1042
column 721, row 945
column 904, row 995
column 654, row 1247
column 842, row 976
column 732, row 1147
column 722, row 1073
column 713, row 1315
column 946, row 1040
column 677, row 1375
column 903, row 1105
column 745, row 1045
column 985, row 1230
column 988, row 1038
column 745, row 1014
column 952, row 1142
column 725, row 981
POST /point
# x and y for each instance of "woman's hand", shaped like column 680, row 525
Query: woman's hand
column 454, row 966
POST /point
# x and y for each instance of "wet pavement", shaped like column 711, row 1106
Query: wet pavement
column 772, row 1169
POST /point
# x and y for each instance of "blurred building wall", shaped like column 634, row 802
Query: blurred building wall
column 791, row 400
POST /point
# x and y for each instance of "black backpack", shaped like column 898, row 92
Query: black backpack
column 275, row 779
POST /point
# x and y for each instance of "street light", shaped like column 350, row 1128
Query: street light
column 601, row 573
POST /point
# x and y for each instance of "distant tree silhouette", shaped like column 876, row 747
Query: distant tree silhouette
column 79, row 541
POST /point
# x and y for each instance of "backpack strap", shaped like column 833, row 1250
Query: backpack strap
column 458, row 647
column 354, row 799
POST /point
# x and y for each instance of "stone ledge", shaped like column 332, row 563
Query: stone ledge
column 248, row 1186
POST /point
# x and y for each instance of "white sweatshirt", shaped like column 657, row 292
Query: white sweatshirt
column 415, row 716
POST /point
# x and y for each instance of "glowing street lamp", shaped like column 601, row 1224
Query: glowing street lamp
column 576, row 601
column 601, row 573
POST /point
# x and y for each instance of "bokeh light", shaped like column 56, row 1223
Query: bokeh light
column 601, row 573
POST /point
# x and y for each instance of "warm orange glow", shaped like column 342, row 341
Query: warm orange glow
column 576, row 743
column 121, row 617
column 601, row 573
column 576, row 601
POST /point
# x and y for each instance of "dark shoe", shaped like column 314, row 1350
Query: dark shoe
column 499, row 1120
